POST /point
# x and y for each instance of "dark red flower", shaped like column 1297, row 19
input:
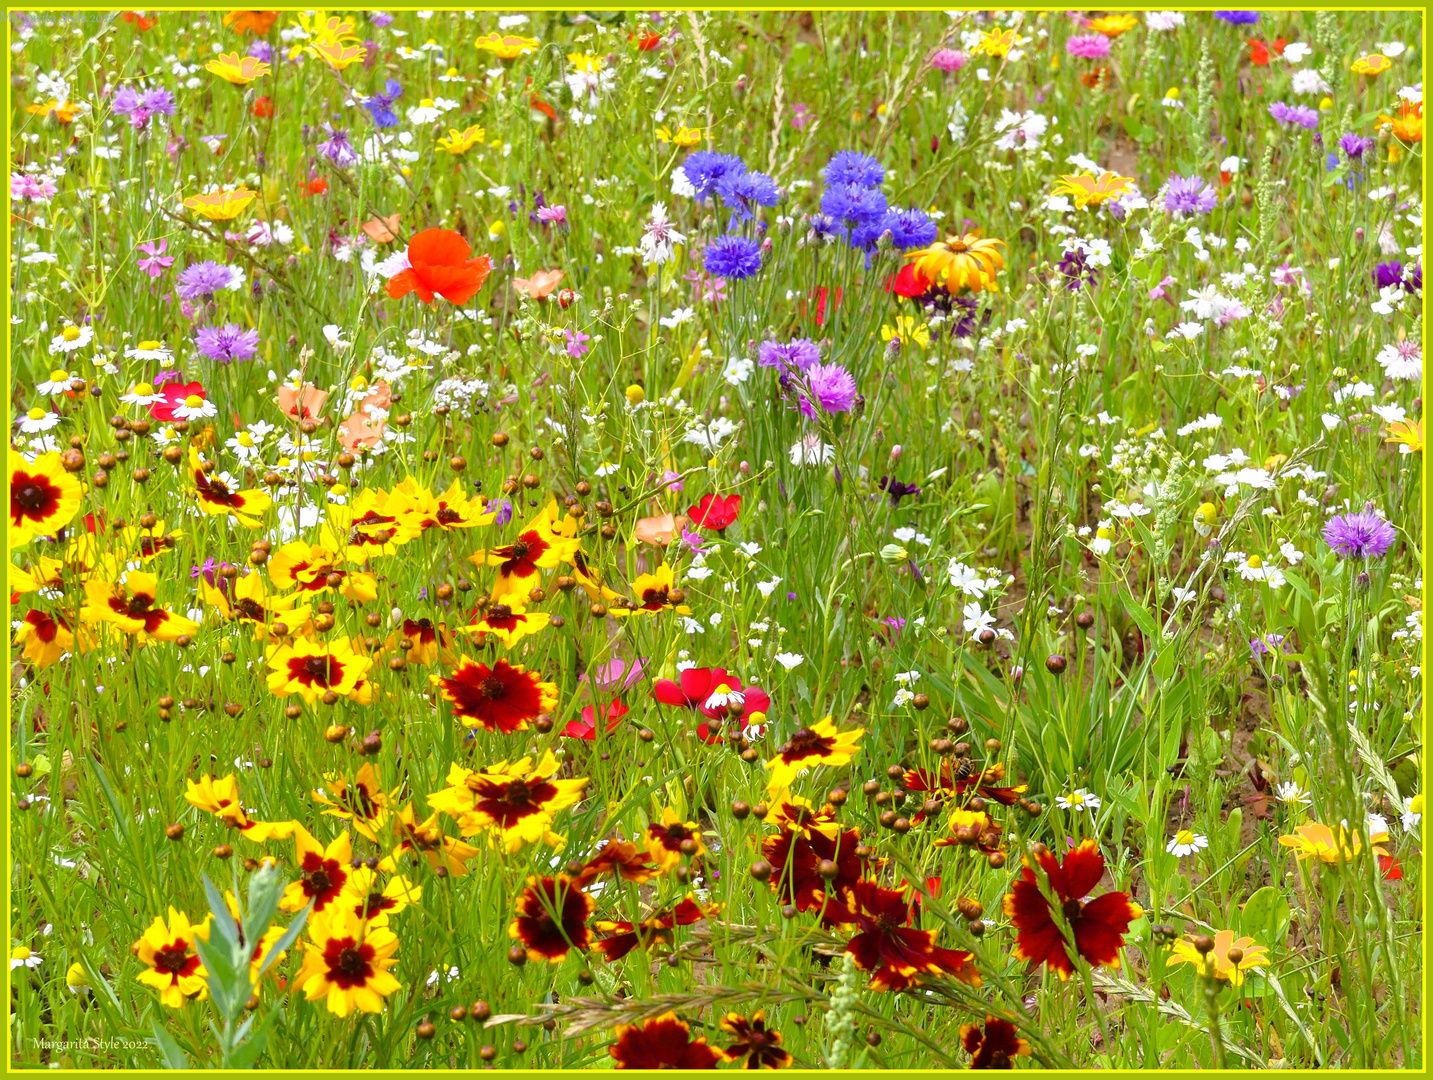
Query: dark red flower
column 758, row 1044
column 654, row 930
column 712, row 692
column 994, row 1047
column 663, row 1043
column 715, row 511
column 622, row 858
column 885, row 945
column 798, row 860
column 1098, row 926
column 551, row 918
column 504, row 697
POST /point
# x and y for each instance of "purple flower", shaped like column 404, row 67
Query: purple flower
column 158, row 262
column 1088, row 46
column 1238, row 18
column 693, row 540
column 337, row 148
column 733, row 257
column 34, row 188
column 705, row 168
column 1302, row 115
column 504, row 513
column 798, row 354
column 833, row 388
column 380, row 19
column 1189, row 195
column 741, row 191
column 852, row 167
column 947, row 60
column 673, row 480
column 262, row 50
column 1355, row 146
column 380, row 106
column 577, row 343
column 202, row 280
column 1388, row 273
column 1077, row 270
column 1363, row 535
column 897, row 489
column 227, row 343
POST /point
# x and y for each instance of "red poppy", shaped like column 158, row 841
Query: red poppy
column 715, row 511
column 994, row 1047
column 439, row 265
column 907, row 282
column 896, row 954
column 138, row 20
column 551, row 918
column 1389, row 865
column 263, row 108
column 1098, row 926
column 1259, row 52
column 656, row 930
column 820, row 296
column 586, row 728
column 172, row 396
column 646, row 42
column 316, row 186
column 799, row 861
column 712, row 692
column 663, row 1043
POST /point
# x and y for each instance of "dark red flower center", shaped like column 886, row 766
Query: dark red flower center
column 173, row 958
column 805, row 742
column 493, row 687
column 32, row 497
column 349, row 963
column 1072, row 909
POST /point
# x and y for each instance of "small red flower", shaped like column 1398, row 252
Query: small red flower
column 906, row 282
column 646, row 42
column 263, row 108
column 712, row 692
column 820, row 297
column 663, row 1043
column 1259, row 51
column 885, row 945
column 439, row 265
column 1391, row 870
column 1098, row 926
column 994, row 1047
column 138, row 20
column 715, row 511
column 655, row 930
column 316, row 186
column 172, row 396
column 586, row 728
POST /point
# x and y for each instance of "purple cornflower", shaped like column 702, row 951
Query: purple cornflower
column 705, row 168
column 1238, row 18
column 137, row 108
column 202, row 280
column 380, row 19
column 577, row 343
column 798, row 354
column 853, row 167
column 1355, row 146
column 908, row 229
column 826, row 227
column 504, row 513
column 733, row 257
column 262, row 50
column 158, row 262
column 1364, row 535
column 1189, row 195
column 897, row 489
column 227, row 343
column 1088, row 46
column 1302, row 115
column 380, row 106
column 947, row 60
column 337, row 148
column 1077, row 270
column 833, row 388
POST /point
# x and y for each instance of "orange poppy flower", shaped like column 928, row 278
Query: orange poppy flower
column 439, row 265
column 539, row 285
column 382, row 230
column 660, row 529
column 359, row 431
column 250, row 22
column 303, row 402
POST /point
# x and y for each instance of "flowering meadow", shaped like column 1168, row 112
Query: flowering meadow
column 716, row 540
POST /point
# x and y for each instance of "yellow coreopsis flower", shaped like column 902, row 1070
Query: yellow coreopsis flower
column 819, row 744
column 506, row 46
column 908, row 330
column 346, row 963
column 460, row 142
column 1217, row 963
column 684, row 136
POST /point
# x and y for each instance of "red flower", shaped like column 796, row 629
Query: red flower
column 646, row 42
column 263, row 108
column 820, row 296
column 586, row 728
column 959, row 779
column 439, row 265
column 712, row 692
column 551, row 918
column 886, row 946
column 1391, row 870
column 906, row 282
column 799, row 861
column 139, row 21
column 1259, row 52
column 656, row 930
column 172, row 396
column 1098, row 926
column 663, row 1043
column 995, row 1046
column 504, row 697
column 622, row 858
column 715, row 511
column 317, row 186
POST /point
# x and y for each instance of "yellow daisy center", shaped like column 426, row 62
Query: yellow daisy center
column 37, row 413
column 59, row 376
column 150, row 346
column 193, row 401
column 70, row 333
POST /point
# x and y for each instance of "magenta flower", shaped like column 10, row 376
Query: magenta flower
column 1088, row 46
column 34, row 188
column 833, row 388
column 158, row 262
column 801, row 115
column 1359, row 536
column 577, row 344
column 552, row 215
column 948, row 59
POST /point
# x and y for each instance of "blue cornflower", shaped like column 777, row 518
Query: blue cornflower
column 733, row 257
column 741, row 190
column 826, row 227
column 853, row 205
column 1238, row 18
column 705, row 168
column 380, row 106
column 851, row 167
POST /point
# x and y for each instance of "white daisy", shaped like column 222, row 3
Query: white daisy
column 1186, row 842
column 195, row 407
column 57, row 383
column 1079, row 801
column 38, row 420
column 71, row 338
column 148, row 350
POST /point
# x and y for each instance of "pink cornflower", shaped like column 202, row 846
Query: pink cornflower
column 34, row 188
column 158, row 262
column 552, row 215
column 1088, row 46
column 801, row 115
column 948, row 59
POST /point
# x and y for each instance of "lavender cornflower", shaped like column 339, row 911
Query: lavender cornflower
column 1355, row 146
column 898, row 489
column 1188, row 195
column 1364, row 535
column 909, row 229
column 833, row 388
column 1088, row 46
column 262, row 50
column 337, row 148
column 202, row 280
column 733, row 257
column 1302, row 115
column 705, row 168
column 138, row 108
column 798, row 354
column 380, row 106
column 852, row 167
column 505, row 512
column 1238, row 18
column 227, row 343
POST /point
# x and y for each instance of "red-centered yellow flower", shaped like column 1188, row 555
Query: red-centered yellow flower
column 1407, row 434
column 346, row 964
column 236, row 69
column 506, row 46
column 249, row 601
column 43, row 573
column 654, row 594
column 44, row 498
column 362, row 802
column 540, row 546
column 148, row 544
column 426, row 840
column 131, row 607
column 262, row 948
column 1216, row 963
column 337, row 55
column 221, row 798
column 508, row 620
column 171, row 963
column 820, row 744
column 216, row 499
column 1314, row 840
column 1372, row 65
column 370, row 525
column 504, row 697
column 959, row 262
column 995, row 43
column 323, row 872
column 1112, row 26
column 427, row 642
column 515, row 803
column 373, row 901
column 221, row 205
column 670, row 840
column 798, row 815
column 551, row 919
column 317, row 568
column 419, row 510
column 315, row 668
column 460, row 142
column 1088, row 190
column 46, row 638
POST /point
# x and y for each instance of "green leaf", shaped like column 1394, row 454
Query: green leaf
column 1140, row 614
column 174, row 1058
column 1266, row 916
column 290, row 935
